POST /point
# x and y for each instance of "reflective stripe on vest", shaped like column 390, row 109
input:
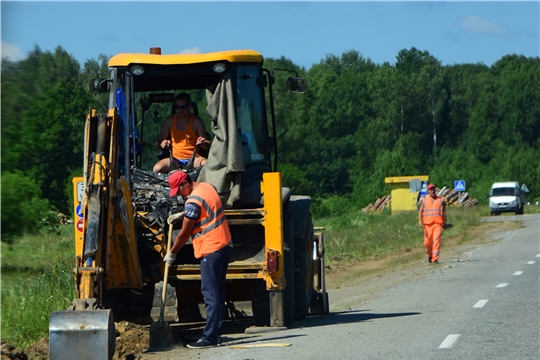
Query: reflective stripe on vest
column 211, row 232
column 433, row 210
column 203, row 227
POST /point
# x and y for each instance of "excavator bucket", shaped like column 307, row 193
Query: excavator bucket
column 81, row 334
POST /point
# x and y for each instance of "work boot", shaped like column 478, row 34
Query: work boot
column 200, row 344
column 429, row 259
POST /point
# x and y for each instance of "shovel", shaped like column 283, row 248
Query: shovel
column 160, row 331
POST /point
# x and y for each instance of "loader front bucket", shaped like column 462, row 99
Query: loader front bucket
column 81, row 334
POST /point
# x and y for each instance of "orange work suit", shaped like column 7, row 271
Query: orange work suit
column 433, row 219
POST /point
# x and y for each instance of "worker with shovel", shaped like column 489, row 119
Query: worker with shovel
column 204, row 220
column 432, row 217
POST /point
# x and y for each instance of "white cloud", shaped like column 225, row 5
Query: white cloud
column 475, row 25
column 193, row 50
column 12, row 51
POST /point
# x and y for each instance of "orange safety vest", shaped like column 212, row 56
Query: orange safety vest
column 211, row 232
column 433, row 210
column 183, row 142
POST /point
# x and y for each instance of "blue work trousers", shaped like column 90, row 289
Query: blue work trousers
column 213, row 273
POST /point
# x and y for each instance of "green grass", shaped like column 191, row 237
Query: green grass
column 37, row 278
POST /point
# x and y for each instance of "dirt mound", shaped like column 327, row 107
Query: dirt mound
column 131, row 339
column 39, row 350
column 11, row 352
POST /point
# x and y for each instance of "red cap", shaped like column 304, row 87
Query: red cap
column 430, row 186
column 175, row 179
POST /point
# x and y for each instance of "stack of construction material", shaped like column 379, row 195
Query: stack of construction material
column 452, row 197
column 455, row 198
column 379, row 205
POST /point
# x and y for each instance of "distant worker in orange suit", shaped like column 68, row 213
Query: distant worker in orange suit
column 432, row 217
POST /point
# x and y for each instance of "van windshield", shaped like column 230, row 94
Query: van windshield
column 504, row 192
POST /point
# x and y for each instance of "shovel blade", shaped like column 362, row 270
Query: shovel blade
column 160, row 336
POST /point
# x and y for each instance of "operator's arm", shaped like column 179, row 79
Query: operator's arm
column 163, row 140
column 200, row 131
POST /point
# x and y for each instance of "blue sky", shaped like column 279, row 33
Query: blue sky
column 303, row 31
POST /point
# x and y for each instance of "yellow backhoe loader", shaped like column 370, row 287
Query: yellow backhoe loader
column 123, row 207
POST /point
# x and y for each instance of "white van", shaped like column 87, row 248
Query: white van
column 507, row 197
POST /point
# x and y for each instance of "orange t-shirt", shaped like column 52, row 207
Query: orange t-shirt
column 183, row 142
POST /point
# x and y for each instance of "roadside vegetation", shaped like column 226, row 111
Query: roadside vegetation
column 358, row 236
column 37, row 270
column 37, row 278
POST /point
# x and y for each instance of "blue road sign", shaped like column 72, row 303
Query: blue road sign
column 459, row 185
column 79, row 211
column 423, row 192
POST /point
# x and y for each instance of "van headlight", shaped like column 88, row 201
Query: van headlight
column 492, row 204
column 513, row 203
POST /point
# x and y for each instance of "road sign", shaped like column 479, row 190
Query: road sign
column 80, row 191
column 459, row 185
column 415, row 185
column 80, row 225
column 423, row 192
column 78, row 210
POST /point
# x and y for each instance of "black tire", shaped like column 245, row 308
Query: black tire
column 289, row 291
column 304, row 269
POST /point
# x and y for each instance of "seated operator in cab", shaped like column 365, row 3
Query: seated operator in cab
column 183, row 132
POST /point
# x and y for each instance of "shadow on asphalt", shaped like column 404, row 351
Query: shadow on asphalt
column 345, row 317
column 186, row 333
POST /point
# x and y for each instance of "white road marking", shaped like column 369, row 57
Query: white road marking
column 480, row 303
column 531, row 262
column 517, row 273
column 449, row 341
column 502, row 285
column 537, row 255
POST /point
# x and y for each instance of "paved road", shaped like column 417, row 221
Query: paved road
column 484, row 306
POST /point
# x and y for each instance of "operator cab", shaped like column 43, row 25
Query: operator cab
column 229, row 86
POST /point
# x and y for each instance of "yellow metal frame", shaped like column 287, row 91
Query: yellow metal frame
column 180, row 59
column 273, row 226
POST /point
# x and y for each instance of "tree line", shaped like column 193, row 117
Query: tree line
column 358, row 123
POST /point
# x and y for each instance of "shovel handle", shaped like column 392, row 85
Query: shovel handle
column 165, row 277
